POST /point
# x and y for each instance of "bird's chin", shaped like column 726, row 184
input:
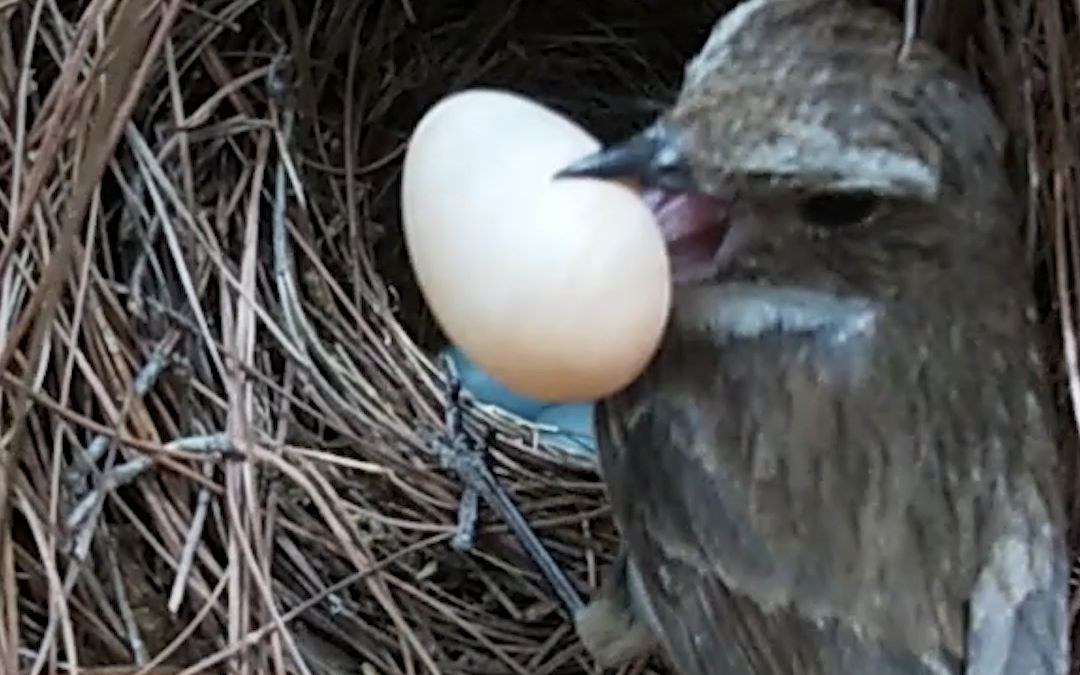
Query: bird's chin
column 743, row 311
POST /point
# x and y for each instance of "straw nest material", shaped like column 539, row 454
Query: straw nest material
column 219, row 402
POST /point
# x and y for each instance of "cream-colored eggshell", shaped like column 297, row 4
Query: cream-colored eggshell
column 559, row 289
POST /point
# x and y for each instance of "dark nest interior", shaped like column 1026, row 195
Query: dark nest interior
column 218, row 398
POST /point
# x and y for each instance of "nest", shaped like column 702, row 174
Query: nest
column 219, row 405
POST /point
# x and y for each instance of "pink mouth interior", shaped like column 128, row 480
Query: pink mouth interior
column 694, row 227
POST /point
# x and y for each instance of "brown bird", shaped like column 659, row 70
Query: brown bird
column 841, row 460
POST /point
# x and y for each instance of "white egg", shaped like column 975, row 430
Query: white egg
column 559, row 289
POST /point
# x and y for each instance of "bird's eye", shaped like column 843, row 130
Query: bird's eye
column 835, row 210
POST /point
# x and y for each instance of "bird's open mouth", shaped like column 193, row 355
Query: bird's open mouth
column 694, row 227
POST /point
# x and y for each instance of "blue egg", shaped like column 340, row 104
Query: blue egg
column 487, row 390
column 574, row 422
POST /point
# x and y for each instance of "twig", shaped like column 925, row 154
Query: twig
column 143, row 382
column 134, row 634
column 191, row 542
column 468, row 515
column 216, row 447
column 911, row 28
column 460, row 454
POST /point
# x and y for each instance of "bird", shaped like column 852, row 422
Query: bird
column 842, row 458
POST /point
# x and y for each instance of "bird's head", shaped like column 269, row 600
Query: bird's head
column 804, row 154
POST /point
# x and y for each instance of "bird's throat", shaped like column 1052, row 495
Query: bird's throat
column 838, row 334
column 738, row 310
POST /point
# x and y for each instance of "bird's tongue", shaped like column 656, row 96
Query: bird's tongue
column 693, row 226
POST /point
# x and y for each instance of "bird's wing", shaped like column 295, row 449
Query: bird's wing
column 709, row 629
column 1017, row 621
column 732, row 592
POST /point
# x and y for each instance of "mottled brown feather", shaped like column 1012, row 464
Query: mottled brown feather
column 850, row 496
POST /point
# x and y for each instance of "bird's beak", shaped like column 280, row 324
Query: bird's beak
column 653, row 158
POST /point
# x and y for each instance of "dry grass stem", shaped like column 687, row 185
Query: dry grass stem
column 217, row 384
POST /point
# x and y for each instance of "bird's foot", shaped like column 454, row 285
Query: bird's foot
column 610, row 626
